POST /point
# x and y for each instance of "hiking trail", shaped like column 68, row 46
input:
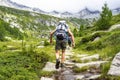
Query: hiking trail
column 87, row 69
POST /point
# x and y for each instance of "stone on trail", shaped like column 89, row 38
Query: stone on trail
column 95, row 63
column 79, row 77
column 49, row 67
column 96, row 56
column 69, row 63
column 81, row 55
column 45, row 78
column 68, row 53
column 93, row 77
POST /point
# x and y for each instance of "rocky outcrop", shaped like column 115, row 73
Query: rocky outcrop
column 117, row 26
column 115, row 66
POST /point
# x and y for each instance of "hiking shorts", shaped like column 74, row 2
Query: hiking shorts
column 60, row 45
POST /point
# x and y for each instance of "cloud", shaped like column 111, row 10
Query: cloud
column 68, row 5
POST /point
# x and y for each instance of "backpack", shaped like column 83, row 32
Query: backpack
column 61, row 32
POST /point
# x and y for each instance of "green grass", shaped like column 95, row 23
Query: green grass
column 25, row 64
column 105, row 76
column 79, row 70
column 107, row 47
column 46, row 73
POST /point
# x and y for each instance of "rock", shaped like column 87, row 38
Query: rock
column 115, row 66
column 67, row 57
column 96, row 56
column 97, row 38
column 45, row 78
column 87, row 75
column 93, row 77
column 49, row 67
column 79, row 77
column 95, row 63
column 81, row 55
column 69, row 77
column 69, row 63
column 114, row 27
column 67, row 72
column 40, row 46
column 68, row 53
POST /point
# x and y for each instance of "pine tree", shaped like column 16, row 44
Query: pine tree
column 75, row 32
column 105, row 18
column 81, row 30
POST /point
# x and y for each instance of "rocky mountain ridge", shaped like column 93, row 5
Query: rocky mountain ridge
column 84, row 13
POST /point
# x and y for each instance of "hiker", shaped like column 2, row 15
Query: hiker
column 61, row 41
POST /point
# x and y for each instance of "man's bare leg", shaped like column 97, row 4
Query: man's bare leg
column 63, row 58
column 57, row 59
column 57, row 54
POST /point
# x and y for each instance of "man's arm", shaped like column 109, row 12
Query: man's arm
column 51, row 34
column 72, row 37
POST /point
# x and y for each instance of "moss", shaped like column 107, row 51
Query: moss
column 46, row 73
column 79, row 70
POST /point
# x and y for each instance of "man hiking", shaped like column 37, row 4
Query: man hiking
column 61, row 32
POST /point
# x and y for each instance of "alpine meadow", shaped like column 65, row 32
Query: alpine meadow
column 25, row 48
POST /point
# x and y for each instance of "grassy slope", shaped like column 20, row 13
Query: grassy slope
column 18, row 60
column 22, row 60
column 107, row 45
column 30, row 22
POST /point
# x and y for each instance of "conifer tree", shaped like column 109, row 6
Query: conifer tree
column 105, row 18
column 81, row 30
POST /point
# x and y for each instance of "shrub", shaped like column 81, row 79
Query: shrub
column 46, row 43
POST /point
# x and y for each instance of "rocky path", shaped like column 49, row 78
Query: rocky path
column 86, row 67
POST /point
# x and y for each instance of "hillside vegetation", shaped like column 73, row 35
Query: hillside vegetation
column 24, row 46
column 101, row 39
column 29, row 23
column 21, row 34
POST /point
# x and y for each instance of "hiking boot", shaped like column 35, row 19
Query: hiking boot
column 57, row 64
column 62, row 65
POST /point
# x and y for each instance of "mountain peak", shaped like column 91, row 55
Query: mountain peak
column 55, row 12
column 84, row 12
column 66, row 13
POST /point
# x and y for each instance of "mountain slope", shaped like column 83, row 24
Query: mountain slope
column 9, row 3
column 28, row 22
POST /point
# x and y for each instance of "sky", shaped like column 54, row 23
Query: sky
column 69, row 5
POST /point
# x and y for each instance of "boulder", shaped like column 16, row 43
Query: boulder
column 45, row 78
column 115, row 66
column 117, row 26
column 49, row 67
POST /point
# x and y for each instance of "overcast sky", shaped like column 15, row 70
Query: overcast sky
column 68, row 5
